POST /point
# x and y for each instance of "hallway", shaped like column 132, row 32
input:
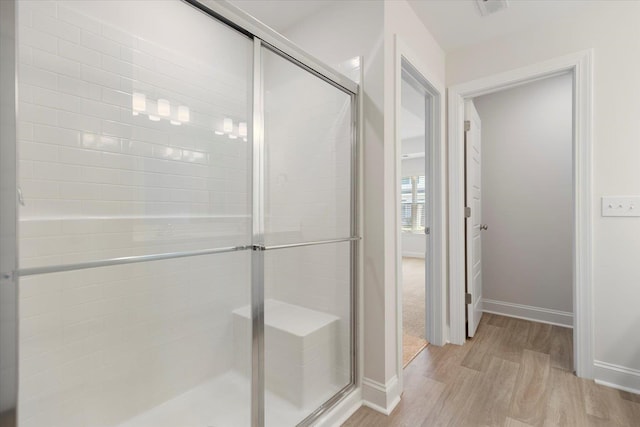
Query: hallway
column 514, row 373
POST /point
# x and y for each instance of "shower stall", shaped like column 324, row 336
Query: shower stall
column 179, row 219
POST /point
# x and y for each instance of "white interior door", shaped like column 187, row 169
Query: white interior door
column 473, row 221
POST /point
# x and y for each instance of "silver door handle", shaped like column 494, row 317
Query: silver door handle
column 20, row 196
column 483, row 226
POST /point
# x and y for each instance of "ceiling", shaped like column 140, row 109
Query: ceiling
column 456, row 24
column 281, row 14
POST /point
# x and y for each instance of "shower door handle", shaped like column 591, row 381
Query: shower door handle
column 20, row 196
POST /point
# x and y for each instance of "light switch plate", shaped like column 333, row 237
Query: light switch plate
column 621, row 206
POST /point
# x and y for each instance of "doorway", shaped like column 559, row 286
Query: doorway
column 416, row 70
column 579, row 67
column 415, row 205
column 526, row 168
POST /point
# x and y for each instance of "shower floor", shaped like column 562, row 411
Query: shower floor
column 220, row 402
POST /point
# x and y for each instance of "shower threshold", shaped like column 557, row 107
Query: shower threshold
column 220, row 402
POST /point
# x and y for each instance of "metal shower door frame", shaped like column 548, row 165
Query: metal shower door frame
column 263, row 38
column 259, row 246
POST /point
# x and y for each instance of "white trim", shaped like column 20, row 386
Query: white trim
column 380, row 397
column 342, row 411
column 528, row 312
column 413, row 254
column 580, row 64
column 360, row 294
column 436, row 283
column 617, row 376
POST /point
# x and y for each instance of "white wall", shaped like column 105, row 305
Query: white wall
column 402, row 25
column 527, row 198
column 413, row 167
column 337, row 33
column 611, row 29
column 412, row 145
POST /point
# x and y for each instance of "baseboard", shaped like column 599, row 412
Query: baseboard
column 342, row 411
column 616, row 376
column 381, row 397
column 413, row 254
column 528, row 312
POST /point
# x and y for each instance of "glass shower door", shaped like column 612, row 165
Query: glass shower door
column 308, row 225
column 135, row 171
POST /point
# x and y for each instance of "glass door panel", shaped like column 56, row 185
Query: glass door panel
column 308, row 331
column 133, row 125
column 308, row 134
column 308, row 199
column 163, row 344
column 133, row 132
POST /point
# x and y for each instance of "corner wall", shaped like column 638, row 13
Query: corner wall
column 337, row 33
column 368, row 29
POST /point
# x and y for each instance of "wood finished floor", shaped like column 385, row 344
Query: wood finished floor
column 513, row 373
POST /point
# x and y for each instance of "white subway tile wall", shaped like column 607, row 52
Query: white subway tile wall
column 107, row 172
column 99, row 346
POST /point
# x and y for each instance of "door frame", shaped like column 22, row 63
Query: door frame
column 580, row 65
column 470, row 114
column 435, row 284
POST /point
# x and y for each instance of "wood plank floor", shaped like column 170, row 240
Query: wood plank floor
column 512, row 373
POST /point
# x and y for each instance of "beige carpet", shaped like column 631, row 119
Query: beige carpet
column 413, row 308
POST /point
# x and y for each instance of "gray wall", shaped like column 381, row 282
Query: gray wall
column 527, row 196
column 8, row 289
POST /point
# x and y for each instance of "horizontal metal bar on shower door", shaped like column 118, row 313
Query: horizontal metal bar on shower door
column 317, row 242
column 126, row 260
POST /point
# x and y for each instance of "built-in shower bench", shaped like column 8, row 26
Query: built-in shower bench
column 301, row 350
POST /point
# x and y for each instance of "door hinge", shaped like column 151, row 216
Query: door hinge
column 467, row 212
column 467, row 125
column 427, row 230
column 467, row 298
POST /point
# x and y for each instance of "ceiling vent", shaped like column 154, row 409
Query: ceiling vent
column 488, row 7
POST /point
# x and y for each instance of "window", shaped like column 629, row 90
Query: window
column 413, row 212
